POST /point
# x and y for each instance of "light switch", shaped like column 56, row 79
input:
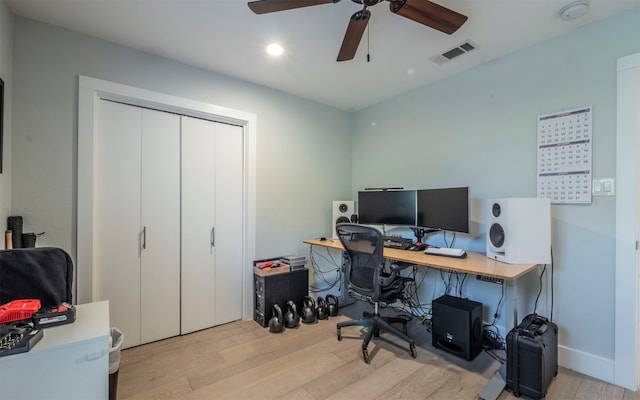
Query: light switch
column 597, row 186
column 603, row 187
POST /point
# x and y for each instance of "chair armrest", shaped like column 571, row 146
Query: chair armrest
column 399, row 266
column 395, row 273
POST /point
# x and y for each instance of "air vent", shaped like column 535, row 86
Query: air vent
column 457, row 51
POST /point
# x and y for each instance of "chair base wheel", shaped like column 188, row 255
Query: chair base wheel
column 412, row 349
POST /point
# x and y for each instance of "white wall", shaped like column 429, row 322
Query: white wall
column 478, row 128
column 303, row 148
column 6, row 68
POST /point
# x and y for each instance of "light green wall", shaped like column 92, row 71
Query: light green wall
column 303, row 148
column 6, row 68
column 478, row 129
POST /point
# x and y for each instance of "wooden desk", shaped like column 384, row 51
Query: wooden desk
column 474, row 263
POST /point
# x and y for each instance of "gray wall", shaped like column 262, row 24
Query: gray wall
column 478, row 129
column 6, row 68
column 303, row 148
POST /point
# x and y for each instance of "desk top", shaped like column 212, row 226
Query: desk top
column 474, row 263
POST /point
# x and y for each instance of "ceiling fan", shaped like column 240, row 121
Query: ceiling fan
column 423, row 11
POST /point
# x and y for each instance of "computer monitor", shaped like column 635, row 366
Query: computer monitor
column 387, row 207
column 445, row 209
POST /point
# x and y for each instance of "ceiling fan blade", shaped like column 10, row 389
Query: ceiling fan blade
column 267, row 6
column 429, row 14
column 353, row 35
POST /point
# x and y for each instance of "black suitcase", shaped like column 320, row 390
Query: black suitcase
column 532, row 356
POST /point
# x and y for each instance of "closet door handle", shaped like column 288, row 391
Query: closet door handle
column 213, row 236
column 144, row 238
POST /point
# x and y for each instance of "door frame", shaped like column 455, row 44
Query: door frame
column 627, row 298
column 90, row 91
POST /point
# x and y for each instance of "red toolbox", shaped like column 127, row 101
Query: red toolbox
column 18, row 309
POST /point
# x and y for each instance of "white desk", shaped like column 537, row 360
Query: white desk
column 70, row 361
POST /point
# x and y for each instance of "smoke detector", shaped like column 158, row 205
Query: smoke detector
column 574, row 10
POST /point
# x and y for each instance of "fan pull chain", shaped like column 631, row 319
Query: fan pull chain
column 368, row 55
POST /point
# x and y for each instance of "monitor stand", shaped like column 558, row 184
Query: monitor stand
column 420, row 232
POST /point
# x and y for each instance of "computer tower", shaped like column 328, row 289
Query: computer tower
column 278, row 289
column 456, row 326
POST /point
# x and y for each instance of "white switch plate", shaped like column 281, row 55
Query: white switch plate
column 604, row 187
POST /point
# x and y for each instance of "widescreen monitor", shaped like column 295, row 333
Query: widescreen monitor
column 444, row 209
column 387, row 207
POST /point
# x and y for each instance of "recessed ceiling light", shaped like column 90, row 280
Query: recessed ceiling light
column 574, row 10
column 275, row 49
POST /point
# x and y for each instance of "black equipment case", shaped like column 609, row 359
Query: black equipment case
column 532, row 356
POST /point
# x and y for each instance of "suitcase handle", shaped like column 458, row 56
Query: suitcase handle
column 515, row 378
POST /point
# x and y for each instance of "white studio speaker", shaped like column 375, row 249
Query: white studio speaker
column 519, row 230
column 342, row 212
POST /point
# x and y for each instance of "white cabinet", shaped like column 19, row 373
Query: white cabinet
column 70, row 361
column 212, row 222
column 137, row 220
column 168, row 221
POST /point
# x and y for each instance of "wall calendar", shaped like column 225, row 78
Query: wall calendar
column 564, row 156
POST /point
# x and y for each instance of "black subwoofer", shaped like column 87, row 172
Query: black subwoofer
column 456, row 326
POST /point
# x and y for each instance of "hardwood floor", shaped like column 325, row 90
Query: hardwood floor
column 242, row 360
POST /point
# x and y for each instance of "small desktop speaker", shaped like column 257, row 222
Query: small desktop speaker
column 456, row 326
column 342, row 213
column 519, row 230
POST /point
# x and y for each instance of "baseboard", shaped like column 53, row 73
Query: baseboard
column 586, row 363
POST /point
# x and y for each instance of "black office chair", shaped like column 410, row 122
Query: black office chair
column 367, row 280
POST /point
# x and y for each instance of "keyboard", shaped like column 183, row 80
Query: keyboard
column 403, row 245
column 445, row 251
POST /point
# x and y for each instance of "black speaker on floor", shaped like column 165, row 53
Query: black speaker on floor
column 456, row 326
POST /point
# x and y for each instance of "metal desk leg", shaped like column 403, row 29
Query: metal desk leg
column 496, row 385
column 511, row 305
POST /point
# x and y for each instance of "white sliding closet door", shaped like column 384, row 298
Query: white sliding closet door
column 229, row 223
column 212, row 223
column 137, row 220
column 117, row 215
column 160, row 212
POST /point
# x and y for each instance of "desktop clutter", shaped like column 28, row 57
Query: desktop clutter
column 14, row 238
column 35, row 293
column 22, row 321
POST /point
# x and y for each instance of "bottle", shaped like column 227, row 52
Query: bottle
column 8, row 240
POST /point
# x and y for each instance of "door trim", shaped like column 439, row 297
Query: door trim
column 90, row 90
column 627, row 308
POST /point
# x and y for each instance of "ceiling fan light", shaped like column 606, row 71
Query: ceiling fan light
column 274, row 49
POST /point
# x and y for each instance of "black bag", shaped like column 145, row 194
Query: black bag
column 532, row 356
column 43, row 273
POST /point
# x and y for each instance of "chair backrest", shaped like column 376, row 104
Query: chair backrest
column 364, row 246
column 44, row 273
